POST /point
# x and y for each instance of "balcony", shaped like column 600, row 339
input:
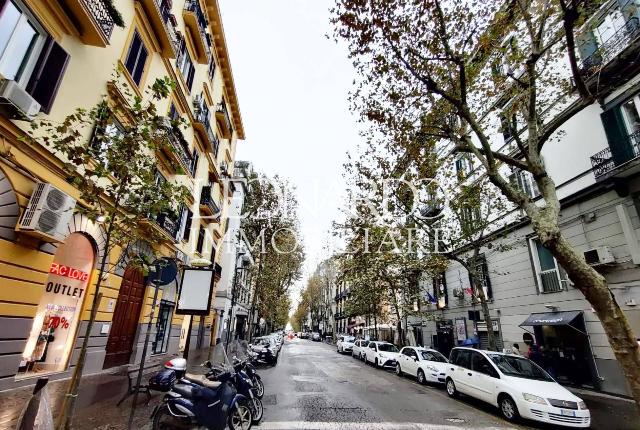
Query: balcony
column 92, row 19
column 619, row 160
column 168, row 224
column 617, row 52
column 163, row 24
column 224, row 120
column 202, row 124
column 196, row 23
column 175, row 148
column 208, row 206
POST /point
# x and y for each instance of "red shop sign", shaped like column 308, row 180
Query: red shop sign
column 69, row 272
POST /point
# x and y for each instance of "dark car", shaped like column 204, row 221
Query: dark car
column 266, row 349
column 315, row 337
column 304, row 335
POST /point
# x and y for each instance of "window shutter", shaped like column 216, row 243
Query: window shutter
column 187, row 226
column 47, row 75
column 617, row 135
column 194, row 163
column 191, row 73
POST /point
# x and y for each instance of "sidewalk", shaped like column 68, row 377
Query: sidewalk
column 96, row 406
column 610, row 412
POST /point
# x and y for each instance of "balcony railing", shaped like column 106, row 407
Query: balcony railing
column 199, row 25
column 609, row 159
column 202, row 118
column 612, row 47
column 101, row 15
column 176, row 146
column 208, row 202
column 224, row 119
column 167, row 223
column 550, row 281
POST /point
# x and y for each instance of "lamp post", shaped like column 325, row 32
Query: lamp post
column 233, row 297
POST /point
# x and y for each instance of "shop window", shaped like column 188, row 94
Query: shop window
column 29, row 56
column 548, row 273
column 136, row 58
column 53, row 333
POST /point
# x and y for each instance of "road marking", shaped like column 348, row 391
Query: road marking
column 309, row 425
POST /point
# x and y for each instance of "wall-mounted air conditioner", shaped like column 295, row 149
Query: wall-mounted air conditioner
column 15, row 102
column 598, row 256
column 48, row 213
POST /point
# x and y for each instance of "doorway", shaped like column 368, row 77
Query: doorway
column 125, row 318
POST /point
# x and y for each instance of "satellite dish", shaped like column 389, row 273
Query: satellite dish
column 164, row 271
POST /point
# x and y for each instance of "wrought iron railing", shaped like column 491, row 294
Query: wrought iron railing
column 616, row 155
column 613, row 46
column 222, row 108
column 550, row 281
column 194, row 6
column 178, row 146
column 102, row 16
column 206, row 199
column 167, row 223
column 164, row 6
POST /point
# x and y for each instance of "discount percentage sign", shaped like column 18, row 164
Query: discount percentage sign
column 64, row 322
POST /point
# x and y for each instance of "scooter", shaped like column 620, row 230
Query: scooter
column 250, row 369
column 245, row 386
column 198, row 400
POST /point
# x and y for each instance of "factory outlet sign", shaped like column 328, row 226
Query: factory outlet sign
column 57, row 317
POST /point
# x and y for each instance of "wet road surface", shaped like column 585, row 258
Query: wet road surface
column 314, row 387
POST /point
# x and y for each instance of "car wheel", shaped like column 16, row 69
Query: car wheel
column 508, row 408
column 421, row 377
column 451, row 388
column 398, row 369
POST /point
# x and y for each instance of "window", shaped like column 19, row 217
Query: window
column 440, row 291
column 523, row 180
column 29, row 56
column 212, row 69
column 463, row 166
column 185, row 65
column 187, row 219
column 462, row 358
column 113, row 130
column 480, row 364
column 546, row 268
column 201, row 236
column 136, row 58
column 433, row 356
column 194, row 162
column 174, row 115
column 508, row 127
column 482, row 271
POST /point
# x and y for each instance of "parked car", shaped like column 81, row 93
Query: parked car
column 266, row 349
column 304, row 335
column 381, row 354
column 427, row 365
column 315, row 337
column 516, row 385
column 358, row 348
column 345, row 344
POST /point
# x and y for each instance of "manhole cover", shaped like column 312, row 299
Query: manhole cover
column 269, row 400
column 455, row 420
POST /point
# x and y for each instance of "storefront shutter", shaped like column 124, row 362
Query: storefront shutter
column 617, row 135
column 47, row 75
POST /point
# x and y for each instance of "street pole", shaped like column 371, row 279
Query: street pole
column 233, row 303
column 187, row 343
column 144, row 349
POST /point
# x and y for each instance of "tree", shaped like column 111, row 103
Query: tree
column 116, row 176
column 440, row 70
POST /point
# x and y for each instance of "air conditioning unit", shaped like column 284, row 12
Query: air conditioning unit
column 224, row 168
column 15, row 102
column 598, row 256
column 458, row 292
column 48, row 214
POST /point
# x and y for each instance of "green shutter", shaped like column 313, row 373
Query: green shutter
column 617, row 135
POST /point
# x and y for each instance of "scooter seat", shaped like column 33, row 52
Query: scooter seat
column 185, row 390
column 201, row 380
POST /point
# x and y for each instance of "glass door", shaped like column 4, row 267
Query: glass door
column 163, row 327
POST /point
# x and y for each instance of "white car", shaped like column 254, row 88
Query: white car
column 358, row 348
column 381, row 354
column 345, row 344
column 516, row 385
column 427, row 365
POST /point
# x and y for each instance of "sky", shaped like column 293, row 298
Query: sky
column 292, row 84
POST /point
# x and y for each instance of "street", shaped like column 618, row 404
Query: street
column 313, row 387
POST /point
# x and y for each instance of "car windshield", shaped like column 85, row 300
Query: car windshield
column 519, row 367
column 433, row 356
column 261, row 341
column 349, row 339
column 387, row 347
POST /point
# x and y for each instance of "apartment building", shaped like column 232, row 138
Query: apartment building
column 234, row 295
column 56, row 56
column 595, row 166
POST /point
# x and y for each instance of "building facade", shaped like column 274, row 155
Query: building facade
column 595, row 165
column 236, row 262
column 56, row 57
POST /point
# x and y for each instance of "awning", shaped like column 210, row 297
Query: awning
column 554, row 318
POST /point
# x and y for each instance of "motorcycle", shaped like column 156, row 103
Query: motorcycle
column 209, row 400
column 245, row 386
column 251, row 371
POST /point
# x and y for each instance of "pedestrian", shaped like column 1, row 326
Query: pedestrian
column 515, row 350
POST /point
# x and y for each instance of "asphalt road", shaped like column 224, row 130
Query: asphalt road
column 314, row 387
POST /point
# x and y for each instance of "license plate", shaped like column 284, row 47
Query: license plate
column 567, row 413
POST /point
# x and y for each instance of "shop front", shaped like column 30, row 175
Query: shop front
column 53, row 333
column 562, row 347
column 443, row 339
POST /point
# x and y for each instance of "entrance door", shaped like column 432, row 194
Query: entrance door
column 125, row 318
